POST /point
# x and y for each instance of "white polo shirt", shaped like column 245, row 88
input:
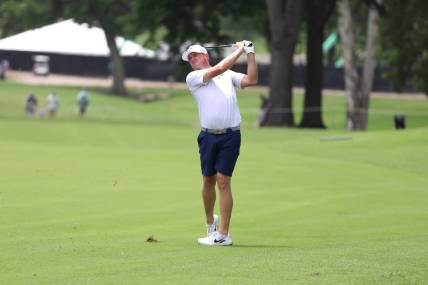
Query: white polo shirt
column 216, row 99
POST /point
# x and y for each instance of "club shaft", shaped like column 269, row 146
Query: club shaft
column 219, row 46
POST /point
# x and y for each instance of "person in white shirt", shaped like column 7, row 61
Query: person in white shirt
column 52, row 104
column 82, row 101
column 214, row 89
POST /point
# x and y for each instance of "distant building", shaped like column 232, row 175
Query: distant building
column 69, row 37
column 78, row 49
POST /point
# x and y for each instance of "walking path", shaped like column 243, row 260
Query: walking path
column 83, row 81
column 86, row 81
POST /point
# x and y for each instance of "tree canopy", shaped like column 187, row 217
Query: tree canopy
column 19, row 15
column 404, row 40
column 199, row 21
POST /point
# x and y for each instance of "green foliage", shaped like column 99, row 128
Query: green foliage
column 196, row 21
column 421, row 72
column 252, row 27
column 19, row 15
column 112, row 15
column 151, row 40
column 405, row 42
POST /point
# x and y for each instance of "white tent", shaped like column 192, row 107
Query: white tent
column 69, row 37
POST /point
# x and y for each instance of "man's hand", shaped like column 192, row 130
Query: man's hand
column 240, row 45
column 251, row 77
column 248, row 47
column 225, row 64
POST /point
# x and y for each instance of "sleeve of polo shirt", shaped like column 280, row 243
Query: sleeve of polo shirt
column 195, row 79
column 237, row 79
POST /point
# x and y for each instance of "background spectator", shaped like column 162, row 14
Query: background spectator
column 31, row 105
column 52, row 104
column 82, row 101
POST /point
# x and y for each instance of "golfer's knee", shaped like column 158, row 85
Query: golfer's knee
column 223, row 182
column 209, row 182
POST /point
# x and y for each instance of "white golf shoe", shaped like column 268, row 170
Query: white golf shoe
column 216, row 239
column 213, row 227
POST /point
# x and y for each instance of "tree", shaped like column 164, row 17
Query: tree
column 284, row 23
column 405, row 43
column 196, row 21
column 358, row 87
column 317, row 15
column 113, row 17
column 19, row 15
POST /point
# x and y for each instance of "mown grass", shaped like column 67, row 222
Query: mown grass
column 79, row 198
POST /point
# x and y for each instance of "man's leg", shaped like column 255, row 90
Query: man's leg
column 226, row 202
column 209, row 197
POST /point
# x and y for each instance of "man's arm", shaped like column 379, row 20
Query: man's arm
column 251, row 77
column 225, row 64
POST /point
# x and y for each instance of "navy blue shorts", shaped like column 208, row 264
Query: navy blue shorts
column 219, row 153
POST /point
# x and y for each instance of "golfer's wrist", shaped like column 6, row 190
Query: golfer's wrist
column 240, row 50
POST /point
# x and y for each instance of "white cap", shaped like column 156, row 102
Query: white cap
column 193, row 48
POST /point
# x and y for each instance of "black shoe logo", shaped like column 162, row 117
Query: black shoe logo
column 219, row 241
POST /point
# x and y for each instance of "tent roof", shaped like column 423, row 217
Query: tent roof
column 69, row 37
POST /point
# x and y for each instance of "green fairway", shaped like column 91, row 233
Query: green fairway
column 79, row 197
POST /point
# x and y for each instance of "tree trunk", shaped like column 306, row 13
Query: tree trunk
column 369, row 62
column 312, row 117
column 318, row 13
column 312, row 113
column 284, row 21
column 358, row 87
column 117, row 68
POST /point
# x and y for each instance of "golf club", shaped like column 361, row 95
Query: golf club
column 222, row 46
column 219, row 46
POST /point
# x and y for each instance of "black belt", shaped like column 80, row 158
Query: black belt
column 220, row 131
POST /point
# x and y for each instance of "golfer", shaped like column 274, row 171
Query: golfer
column 214, row 88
